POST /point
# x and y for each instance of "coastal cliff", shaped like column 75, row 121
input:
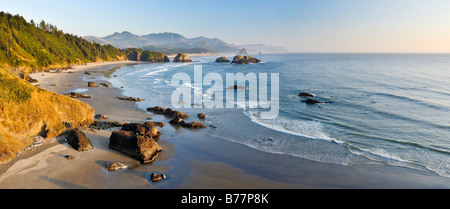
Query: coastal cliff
column 27, row 111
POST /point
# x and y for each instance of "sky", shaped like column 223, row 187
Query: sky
column 377, row 26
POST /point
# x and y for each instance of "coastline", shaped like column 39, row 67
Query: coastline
column 191, row 159
column 45, row 166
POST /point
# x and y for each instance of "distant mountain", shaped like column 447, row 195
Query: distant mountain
column 125, row 40
column 256, row 48
column 170, row 42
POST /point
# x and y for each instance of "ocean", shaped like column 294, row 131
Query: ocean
column 387, row 109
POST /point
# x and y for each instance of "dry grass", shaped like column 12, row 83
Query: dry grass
column 27, row 111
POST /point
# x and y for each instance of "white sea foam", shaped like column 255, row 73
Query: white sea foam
column 149, row 74
column 308, row 129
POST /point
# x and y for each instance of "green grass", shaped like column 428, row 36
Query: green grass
column 14, row 89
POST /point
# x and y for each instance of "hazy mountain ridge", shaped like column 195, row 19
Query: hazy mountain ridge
column 169, row 41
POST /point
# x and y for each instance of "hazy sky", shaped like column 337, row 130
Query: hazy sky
column 298, row 25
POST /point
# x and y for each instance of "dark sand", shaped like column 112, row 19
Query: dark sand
column 191, row 158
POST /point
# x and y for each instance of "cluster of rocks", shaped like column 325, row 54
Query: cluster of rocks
column 92, row 84
column 167, row 112
column 239, row 59
column 193, row 125
column 178, row 117
column 155, row 177
column 129, row 99
column 77, row 95
column 102, row 125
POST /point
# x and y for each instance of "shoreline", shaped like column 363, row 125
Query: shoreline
column 43, row 167
column 191, row 158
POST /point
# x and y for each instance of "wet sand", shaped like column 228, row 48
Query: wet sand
column 47, row 168
column 191, row 158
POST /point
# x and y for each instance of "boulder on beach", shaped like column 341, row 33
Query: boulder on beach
column 239, row 59
column 105, row 85
column 101, row 125
column 69, row 157
column 132, row 142
column 77, row 95
column 129, row 99
column 115, row 166
column 167, row 112
column 157, row 177
column 101, row 117
column 153, row 123
column 193, row 125
column 156, row 110
column 78, row 140
column 222, row 59
column 175, row 114
column 182, row 58
column 91, row 84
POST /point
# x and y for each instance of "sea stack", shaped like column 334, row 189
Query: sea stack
column 182, row 58
column 243, row 51
column 239, row 59
column 222, row 59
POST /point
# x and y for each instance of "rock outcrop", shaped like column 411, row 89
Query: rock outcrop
column 222, row 59
column 168, row 112
column 243, row 51
column 201, row 116
column 137, row 140
column 77, row 95
column 244, row 60
column 157, row 177
column 91, row 84
column 193, row 125
column 115, row 166
column 313, row 101
column 306, row 94
column 78, row 140
column 101, row 125
column 101, row 117
column 105, row 85
column 182, row 58
column 129, row 99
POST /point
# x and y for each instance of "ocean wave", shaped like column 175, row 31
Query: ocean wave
column 154, row 72
column 308, row 129
column 395, row 159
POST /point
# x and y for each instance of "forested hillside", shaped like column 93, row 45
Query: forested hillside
column 33, row 46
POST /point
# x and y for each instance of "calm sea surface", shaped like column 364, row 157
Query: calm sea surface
column 387, row 108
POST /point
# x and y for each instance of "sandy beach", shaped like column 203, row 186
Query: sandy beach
column 46, row 167
column 190, row 158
